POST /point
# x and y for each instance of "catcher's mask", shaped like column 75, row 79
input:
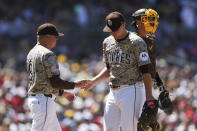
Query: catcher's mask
column 148, row 17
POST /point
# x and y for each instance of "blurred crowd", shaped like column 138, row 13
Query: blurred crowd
column 86, row 111
column 80, row 57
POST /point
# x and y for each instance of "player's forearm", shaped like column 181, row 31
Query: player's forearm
column 58, row 83
column 148, row 85
column 102, row 76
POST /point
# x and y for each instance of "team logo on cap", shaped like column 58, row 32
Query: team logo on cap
column 109, row 22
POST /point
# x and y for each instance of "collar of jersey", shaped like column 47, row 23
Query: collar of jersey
column 119, row 40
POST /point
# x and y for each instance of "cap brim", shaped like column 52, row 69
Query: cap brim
column 107, row 29
column 60, row 34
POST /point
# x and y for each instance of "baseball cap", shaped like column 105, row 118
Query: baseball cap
column 49, row 29
column 113, row 21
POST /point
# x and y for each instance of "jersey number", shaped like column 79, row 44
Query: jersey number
column 31, row 73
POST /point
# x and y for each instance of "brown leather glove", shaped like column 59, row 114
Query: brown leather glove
column 148, row 116
column 165, row 103
column 154, row 126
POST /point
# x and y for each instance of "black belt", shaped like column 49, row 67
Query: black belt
column 115, row 87
column 47, row 95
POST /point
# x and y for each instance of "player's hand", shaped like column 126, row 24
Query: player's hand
column 83, row 84
column 69, row 96
column 88, row 85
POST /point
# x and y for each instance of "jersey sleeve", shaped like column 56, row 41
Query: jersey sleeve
column 105, row 58
column 50, row 64
column 141, row 52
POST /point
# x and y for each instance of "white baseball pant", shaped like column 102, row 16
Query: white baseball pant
column 123, row 108
column 43, row 112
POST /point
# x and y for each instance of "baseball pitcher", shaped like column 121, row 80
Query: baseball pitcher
column 127, row 59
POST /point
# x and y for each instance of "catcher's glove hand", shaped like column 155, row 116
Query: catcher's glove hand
column 148, row 116
column 165, row 103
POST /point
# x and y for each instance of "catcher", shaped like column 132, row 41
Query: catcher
column 146, row 21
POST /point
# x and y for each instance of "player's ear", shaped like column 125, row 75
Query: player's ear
column 123, row 24
column 138, row 22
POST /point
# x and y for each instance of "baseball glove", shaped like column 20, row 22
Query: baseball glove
column 148, row 116
column 155, row 126
column 165, row 103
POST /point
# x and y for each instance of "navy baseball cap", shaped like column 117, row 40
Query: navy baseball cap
column 113, row 21
column 49, row 29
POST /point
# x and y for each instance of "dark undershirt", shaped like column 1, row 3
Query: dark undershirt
column 152, row 54
column 58, row 83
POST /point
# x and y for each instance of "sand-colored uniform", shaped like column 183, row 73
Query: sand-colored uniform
column 41, row 65
column 124, row 103
column 124, row 59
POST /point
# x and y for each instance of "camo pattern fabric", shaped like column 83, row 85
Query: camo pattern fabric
column 41, row 65
column 124, row 59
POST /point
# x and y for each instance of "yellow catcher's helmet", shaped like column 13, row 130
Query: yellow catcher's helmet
column 147, row 16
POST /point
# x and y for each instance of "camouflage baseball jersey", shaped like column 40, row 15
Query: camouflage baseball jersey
column 41, row 65
column 152, row 54
column 123, row 59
